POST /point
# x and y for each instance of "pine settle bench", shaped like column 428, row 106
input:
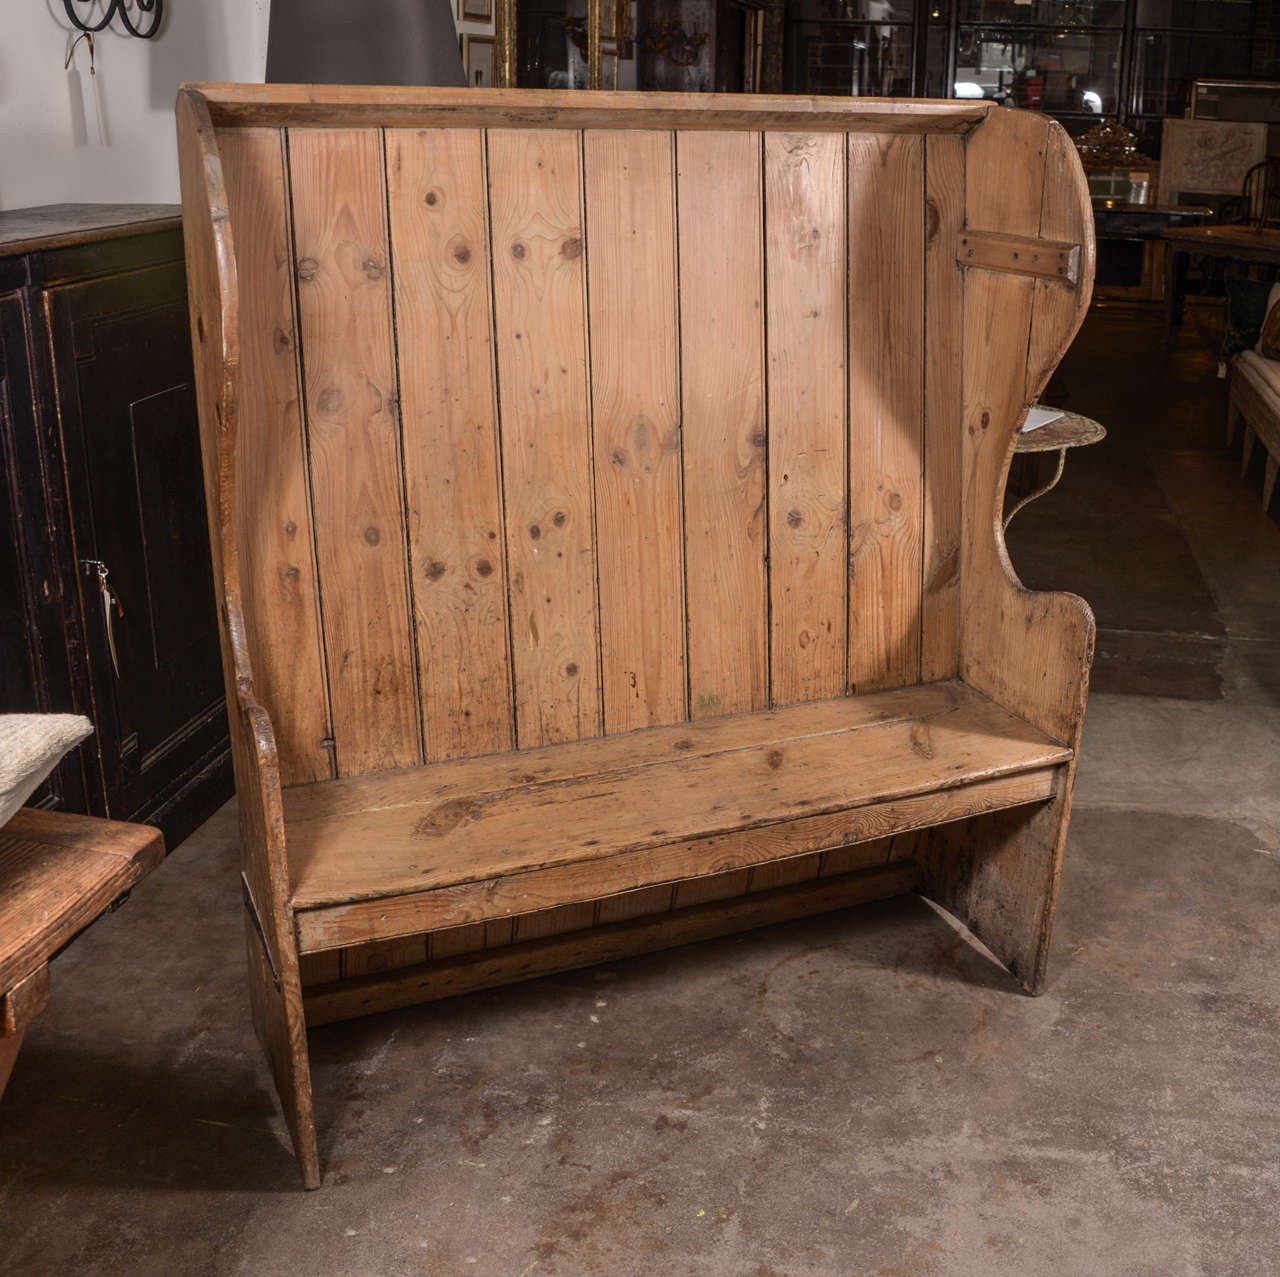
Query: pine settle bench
column 605, row 501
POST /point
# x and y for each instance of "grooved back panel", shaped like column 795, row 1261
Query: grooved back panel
column 554, row 433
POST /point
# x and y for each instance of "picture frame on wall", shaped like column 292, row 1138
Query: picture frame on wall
column 475, row 10
column 477, row 59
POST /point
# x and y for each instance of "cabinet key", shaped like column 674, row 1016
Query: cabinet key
column 109, row 597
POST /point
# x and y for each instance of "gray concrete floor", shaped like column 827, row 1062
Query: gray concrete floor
column 864, row 1093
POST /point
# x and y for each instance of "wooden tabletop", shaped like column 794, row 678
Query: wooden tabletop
column 1071, row 430
column 1225, row 239
column 28, row 230
column 58, row 872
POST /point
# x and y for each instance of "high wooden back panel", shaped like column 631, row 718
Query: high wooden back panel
column 554, row 432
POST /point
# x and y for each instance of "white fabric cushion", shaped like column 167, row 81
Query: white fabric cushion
column 31, row 745
column 1262, row 374
column 1273, row 300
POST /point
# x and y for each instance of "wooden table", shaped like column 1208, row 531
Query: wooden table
column 58, row 873
column 1071, row 430
column 1237, row 243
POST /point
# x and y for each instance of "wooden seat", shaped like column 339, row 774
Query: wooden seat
column 396, row 853
column 605, row 498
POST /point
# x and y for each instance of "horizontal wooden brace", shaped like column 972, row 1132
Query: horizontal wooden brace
column 468, row 973
column 1020, row 255
column 360, row 921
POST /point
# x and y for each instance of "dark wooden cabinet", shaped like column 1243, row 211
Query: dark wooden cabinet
column 100, row 464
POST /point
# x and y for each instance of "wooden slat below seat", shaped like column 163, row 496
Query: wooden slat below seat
column 397, row 852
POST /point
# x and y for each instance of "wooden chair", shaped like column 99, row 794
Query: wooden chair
column 605, row 497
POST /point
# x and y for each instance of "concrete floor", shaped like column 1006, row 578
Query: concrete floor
column 863, row 1093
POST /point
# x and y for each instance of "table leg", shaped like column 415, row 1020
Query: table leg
column 1039, row 492
column 1175, row 288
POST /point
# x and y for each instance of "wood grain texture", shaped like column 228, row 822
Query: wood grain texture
column 21, row 1003
column 1040, row 257
column 943, row 410
column 353, row 430
column 346, row 106
column 606, row 944
column 681, row 862
column 886, row 409
column 1031, row 652
column 805, row 266
column 631, row 281
column 58, row 872
column 721, row 203
column 278, row 575
column 213, row 288
column 493, row 831
column 535, row 197
column 436, row 193
column 383, row 955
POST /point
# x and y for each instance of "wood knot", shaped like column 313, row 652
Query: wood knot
column 280, row 341
column 758, row 439
column 433, row 197
column 559, row 518
column 372, row 536
column 484, row 568
column 986, row 420
column 571, row 248
column 518, row 251
column 434, row 570
column 895, row 501
column 307, row 268
column 448, row 816
column 330, row 400
column 774, row 758
column 372, row 269
column 571, row 670
column 462, row 254
column 535, row 532
column 290, row 528
column 200, row 327
column 932, row 221
column 683, row 743
column 795, row 518
column 618, row 456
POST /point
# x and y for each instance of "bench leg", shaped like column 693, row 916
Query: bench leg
column 1246, row 452
column 998, row 874
column 282, row 1030
column 18, row 1007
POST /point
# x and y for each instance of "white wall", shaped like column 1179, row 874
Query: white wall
column 50, row 152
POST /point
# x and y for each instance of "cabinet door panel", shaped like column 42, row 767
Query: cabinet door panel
column 126, row 399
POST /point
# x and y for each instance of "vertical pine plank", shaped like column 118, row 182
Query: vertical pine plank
column 554, row 922
column 782, row 873
column 805, row 259
column 631, row 288
column 943, row 425
column 634, row 904
column 277, row 556
column 440, row 260
column 353, row 430
column 886, row 408
column 720, row 203
column 1062, row 219
column 383, row 955
column 540, row 323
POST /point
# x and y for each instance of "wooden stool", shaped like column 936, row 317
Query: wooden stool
column 58, row 873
